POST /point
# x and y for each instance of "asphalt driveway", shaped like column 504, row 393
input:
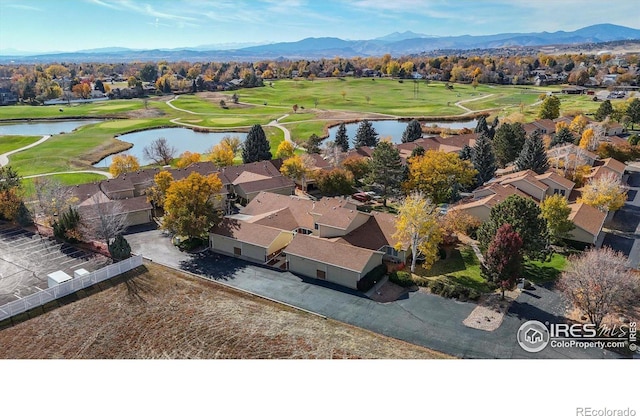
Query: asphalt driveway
column 419, row 318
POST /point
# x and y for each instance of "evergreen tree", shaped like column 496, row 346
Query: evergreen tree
column 342, row 140
column 120, row 248
column 167, row 86
column 563, row 135
column 633, row 112
column 482, row 127
column 550, row 108
column 386, row 169
column 417, row 151
column 466, row 153
column 533, row 155
column 256, row 146
column 366, row 135
column 525, row 216
column 412, row 132
column 508, row 142
column 313, row 144
column 605, row 110
column 483, row 159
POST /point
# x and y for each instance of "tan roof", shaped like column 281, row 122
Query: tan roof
column 560, row 180
column 376, row 233
column 337, row 254
column 614, row 164
column 245, row 177
column 282, row 219
column 587, row 217
column 328, row 211
column 247, row 232
column 526, row 175
column 500, row 193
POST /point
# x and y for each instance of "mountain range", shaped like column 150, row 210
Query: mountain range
column 396, row 44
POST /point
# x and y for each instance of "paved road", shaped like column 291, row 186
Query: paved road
column 419, row 318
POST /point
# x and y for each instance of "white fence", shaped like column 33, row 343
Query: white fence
column 71, row 286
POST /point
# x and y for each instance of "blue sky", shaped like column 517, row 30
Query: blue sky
column 69, row 25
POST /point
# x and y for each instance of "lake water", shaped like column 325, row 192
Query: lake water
column 42, row 128
column 181, row 138
column 394, row 129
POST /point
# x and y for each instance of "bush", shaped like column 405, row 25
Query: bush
column 452, row 290
column 120, row 248
column 371, row 278
column 402, row 278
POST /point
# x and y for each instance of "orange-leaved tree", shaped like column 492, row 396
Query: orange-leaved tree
column 190, row 205
column 124, row 163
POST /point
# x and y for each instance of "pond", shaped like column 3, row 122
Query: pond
column 42, row 128
column 182, row 139
column 394, row 129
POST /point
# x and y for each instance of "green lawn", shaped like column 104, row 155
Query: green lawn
column 540, row 272
column 64, row 178
column 9, row 143
column 463, row 267
column 101, row 108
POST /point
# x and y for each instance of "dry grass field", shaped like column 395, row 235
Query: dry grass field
column 154, row 312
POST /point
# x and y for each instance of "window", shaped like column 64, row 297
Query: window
column 321, row 274
column 237, row 251
column 315, row 225
column 559, row 191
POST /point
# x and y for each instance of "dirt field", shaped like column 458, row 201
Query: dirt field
column 160, row 313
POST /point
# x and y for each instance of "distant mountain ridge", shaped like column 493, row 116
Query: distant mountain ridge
column 396, row 44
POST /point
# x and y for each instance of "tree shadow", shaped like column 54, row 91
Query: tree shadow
column 540, row 274
column 525, row 311
column 214, row 266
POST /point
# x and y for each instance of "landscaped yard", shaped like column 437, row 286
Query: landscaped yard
column 463, row 267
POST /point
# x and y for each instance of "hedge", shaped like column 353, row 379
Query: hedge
column 402, row 278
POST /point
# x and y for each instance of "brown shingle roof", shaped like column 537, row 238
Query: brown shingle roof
column 376, row 233
column 267, row 184
column 256, row 234
column 119, row 184
column 560, row 180
column 587, row 217
column 334, row 253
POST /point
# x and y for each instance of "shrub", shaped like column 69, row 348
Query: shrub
column 120, row 248
column 371, row 278
column 401, row 278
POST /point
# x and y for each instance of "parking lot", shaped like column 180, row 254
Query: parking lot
column 27, row 258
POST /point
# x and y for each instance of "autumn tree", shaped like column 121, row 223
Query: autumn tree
column 598, row 282
column 221, row 155
column 335, row 182
column 298, row 168
column 233, row 142
column 578, row 124
column 358, row 166
column 604, row 192
column 588, row 140
column 285, row 150
column 524, row 215
column 456, row 222
column 417, row 223
column 439, row 175
column 550, row 108
column 508, row 142
column 533, row 155
column 366, row 135
column 483, row 159
column 503, row 261
column 123, row 163
column 187, row 159
column 386, row 169
column 157, row 192
column 159, row 151
column 342, row 140
column 555, row 209
column 256, row 146
column 190, row 205
column 412, row 132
